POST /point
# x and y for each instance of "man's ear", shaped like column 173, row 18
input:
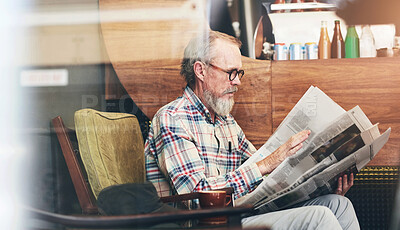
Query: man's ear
column 199, row 69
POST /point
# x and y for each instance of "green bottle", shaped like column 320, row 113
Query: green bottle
column 352, row 43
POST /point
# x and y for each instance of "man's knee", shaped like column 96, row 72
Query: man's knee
column 310, row 217
column 343, row 209
column 335, row 202
column 324, row 218
column 338, row 200
column 322, row 212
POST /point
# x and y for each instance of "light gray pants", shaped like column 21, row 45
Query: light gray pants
column 324, row 212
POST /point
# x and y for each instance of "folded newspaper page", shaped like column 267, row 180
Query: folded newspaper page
column 325, row 182
column 336, row 136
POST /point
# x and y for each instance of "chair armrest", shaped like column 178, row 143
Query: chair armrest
column 190, row 196
column 134, row 220
column 180, row 198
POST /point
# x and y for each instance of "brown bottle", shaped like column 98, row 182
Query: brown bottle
column 324, row 45
column 297, row 10
column 337, row 46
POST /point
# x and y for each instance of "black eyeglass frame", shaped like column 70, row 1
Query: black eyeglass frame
column 239, row 73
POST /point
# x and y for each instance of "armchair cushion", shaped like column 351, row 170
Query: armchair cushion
column 111, row 147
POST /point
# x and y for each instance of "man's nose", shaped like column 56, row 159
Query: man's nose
column 236, row 81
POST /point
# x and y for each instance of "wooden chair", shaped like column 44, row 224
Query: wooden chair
column 87, row 200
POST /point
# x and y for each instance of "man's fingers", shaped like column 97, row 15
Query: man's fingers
column 297, row 139
column 339, row 187
column 344, row 184
column 295, row 143
column 295, row 149
column 289, row 148
column 351, row 180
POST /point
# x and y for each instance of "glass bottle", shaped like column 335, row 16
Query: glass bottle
column 324, row 45
column 367, row 42
column 352, row 43
column 337, row 46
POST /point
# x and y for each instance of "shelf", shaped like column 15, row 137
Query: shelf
column 309, row 5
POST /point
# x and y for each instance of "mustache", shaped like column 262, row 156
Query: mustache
column 232, row 89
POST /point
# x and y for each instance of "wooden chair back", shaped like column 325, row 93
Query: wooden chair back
column 85, row 196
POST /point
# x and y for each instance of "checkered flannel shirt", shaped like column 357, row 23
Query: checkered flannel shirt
column 186, row 152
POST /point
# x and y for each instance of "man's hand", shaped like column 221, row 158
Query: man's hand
column 268, row 164
column 344, row 184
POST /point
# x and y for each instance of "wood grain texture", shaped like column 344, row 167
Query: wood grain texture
column 135, row 30
column 371, row 83
column 113, row 87
column 253, row 106
column 84, row 193
column 153, row 84
column 146, row 56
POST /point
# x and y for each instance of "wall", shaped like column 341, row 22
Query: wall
column 48, row 181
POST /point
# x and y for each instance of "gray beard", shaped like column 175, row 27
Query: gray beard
column 220, row 106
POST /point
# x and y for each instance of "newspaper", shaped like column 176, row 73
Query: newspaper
column 339, row 141
column 313, row 111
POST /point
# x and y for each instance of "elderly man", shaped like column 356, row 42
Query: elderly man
column 194, row 143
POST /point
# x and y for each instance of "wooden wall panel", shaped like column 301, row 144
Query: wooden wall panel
column 252, row 108
column 151, row 84
column 371, row 83
column 154, row 86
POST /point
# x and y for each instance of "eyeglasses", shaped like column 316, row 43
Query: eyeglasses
column 232, row 73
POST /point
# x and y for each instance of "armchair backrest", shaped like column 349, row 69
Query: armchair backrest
column 111, row 147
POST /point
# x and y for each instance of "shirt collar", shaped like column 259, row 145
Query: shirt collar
column 198, row 104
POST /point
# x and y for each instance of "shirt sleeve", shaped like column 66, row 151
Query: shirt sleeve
column 179, row 160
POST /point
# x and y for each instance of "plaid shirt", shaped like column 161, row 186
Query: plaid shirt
column 187, row 152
